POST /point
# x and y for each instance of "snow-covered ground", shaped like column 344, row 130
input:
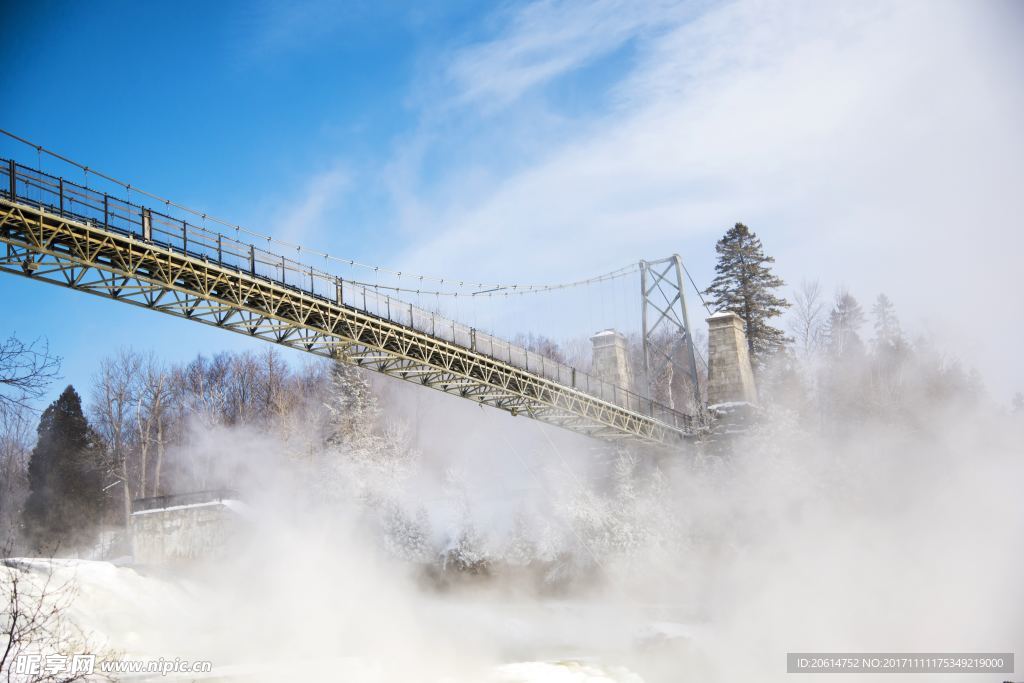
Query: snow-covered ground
column 127, row 614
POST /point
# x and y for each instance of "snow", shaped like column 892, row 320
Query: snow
column 561, row 672
column 723, row 314
column 238, row 507
column 113, row 605
column 730, row 405
column 137, row 616
column 234, row 505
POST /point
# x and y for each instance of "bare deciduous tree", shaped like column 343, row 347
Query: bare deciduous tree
column 541, row 345
column 807, row 321
column 152, row 415
column 114, row 396
column 16, row 437
column 34, row 605
column 25, row 372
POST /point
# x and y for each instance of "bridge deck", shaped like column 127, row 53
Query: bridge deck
column 60, row 232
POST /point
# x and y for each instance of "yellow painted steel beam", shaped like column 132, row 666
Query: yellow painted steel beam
column 82, row 255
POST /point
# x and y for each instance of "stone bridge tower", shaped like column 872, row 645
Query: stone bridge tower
column 611, row 362
column 730, row 376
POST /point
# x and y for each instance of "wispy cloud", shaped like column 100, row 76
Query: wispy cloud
column 306, row 216
column 273, row 27
column 544, row 40
column 863, row 141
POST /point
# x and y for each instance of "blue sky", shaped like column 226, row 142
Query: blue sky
column 230, row 107
column 546, row 141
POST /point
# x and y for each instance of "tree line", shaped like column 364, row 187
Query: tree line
column 128, row 438
column 822, row 356
column 822, row 364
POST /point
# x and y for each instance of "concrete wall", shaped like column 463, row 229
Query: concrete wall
column 610, row 361
column 183, row 533
column 730, row 376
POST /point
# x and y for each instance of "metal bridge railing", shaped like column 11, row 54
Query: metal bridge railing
column 70, row 200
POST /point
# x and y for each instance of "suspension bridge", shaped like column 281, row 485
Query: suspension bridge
column 62, row 232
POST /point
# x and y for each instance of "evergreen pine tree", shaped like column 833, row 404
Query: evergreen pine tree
column 891, row 352
column 744, row 284
column 843, row 328
column 66, row 498
column 888, row 336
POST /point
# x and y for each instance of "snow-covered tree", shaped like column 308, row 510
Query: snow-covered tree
column 352, row 407
column 406, row 535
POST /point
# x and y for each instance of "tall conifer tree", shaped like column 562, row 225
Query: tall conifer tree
column 843, row 328
column 745, row 285
column 66, row 498
column 888, row 336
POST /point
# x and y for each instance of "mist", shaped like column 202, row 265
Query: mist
column 369, row 529
column 487, row 547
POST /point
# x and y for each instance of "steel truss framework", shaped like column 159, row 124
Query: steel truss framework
column 46, row 246
column 664, row 312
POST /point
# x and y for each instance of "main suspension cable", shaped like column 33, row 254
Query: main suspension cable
column 482, row 288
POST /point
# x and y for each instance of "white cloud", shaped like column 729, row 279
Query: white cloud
column 878, row 146
column 277, row 27
column 545, row 40
column 305, row 216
